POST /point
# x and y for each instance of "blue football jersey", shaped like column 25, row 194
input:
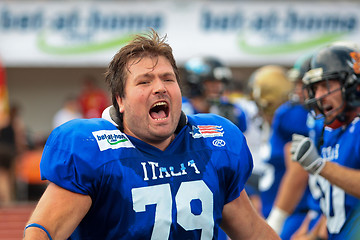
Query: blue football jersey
column 342, row 210
column 288, row 119
column 141, row 192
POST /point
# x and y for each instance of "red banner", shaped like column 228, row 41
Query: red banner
column 4, row 98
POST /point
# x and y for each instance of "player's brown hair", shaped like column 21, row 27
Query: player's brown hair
column 147, row 45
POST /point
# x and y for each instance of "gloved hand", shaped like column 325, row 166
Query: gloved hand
column 303, row 151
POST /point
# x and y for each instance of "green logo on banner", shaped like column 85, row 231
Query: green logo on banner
column 287, row 47
column 45, row 46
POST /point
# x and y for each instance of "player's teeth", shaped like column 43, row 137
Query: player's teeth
column 159, row 104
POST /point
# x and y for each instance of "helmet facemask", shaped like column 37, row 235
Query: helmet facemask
column 315, row 103
column 339, row 63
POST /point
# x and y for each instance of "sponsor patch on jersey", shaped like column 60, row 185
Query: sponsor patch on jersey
column 112, row 139
column 219, row 143
column 207, row 131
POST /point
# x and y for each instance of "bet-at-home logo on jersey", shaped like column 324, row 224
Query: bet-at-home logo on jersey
column 111, row 139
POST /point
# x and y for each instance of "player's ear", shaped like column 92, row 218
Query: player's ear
column 120, row 104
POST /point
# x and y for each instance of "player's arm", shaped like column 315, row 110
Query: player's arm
column 291, row 190
column 59, row 212
column 346, row 178
column 293, row 185
column 241, row 221
column 305, row 153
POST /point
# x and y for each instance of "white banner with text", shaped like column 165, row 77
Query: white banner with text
column 65, row 34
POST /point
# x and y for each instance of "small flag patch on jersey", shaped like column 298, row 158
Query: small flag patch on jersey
column 207, row 131
column 112, row 139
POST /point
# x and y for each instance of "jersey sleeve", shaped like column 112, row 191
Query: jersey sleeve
column 68, row 158
column 239, row 162
column 242, row 164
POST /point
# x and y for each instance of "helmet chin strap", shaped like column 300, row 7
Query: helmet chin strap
column 182, row 122
column 337, row 122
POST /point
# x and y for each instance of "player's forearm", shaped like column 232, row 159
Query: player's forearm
column 346, row 178
column 263, row 231
column 256, row 229
column 289, row 195
column 241, row 221
column 58, row 213
column 291, row 190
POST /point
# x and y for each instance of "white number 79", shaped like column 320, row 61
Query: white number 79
column 161, row 196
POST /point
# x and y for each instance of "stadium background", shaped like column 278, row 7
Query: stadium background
column 244, row 34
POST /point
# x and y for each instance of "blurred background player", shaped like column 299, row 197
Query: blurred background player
column 333, row 86
column 29, row 186
column 13, row 143
column 240, row 94
column 205, row 81
column 266, row 85
column 92, row 99
column 271, row 88
column 70, row 110
column 293, row 199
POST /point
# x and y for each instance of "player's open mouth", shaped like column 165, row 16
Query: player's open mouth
column 159, row 111
column 327, row 108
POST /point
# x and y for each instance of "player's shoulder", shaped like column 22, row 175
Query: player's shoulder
column 290, row 112
column 85, row 133
column 88, row 139
column 288, row 108
column 211, row 126
column 210, row 119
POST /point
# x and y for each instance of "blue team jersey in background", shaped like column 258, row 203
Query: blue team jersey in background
column 141, row 192
column 233, row 111
column 288, row 119
column 342, row 210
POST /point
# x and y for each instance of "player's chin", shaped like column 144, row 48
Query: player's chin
column 164, row 129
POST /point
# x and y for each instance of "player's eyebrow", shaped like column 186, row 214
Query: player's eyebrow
column 167, row 74
column 151, row 75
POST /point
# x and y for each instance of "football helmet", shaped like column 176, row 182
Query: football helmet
column 200, row 69
column 301, row 66
column 270, row 88
column 336, row 62
column 295, row 75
